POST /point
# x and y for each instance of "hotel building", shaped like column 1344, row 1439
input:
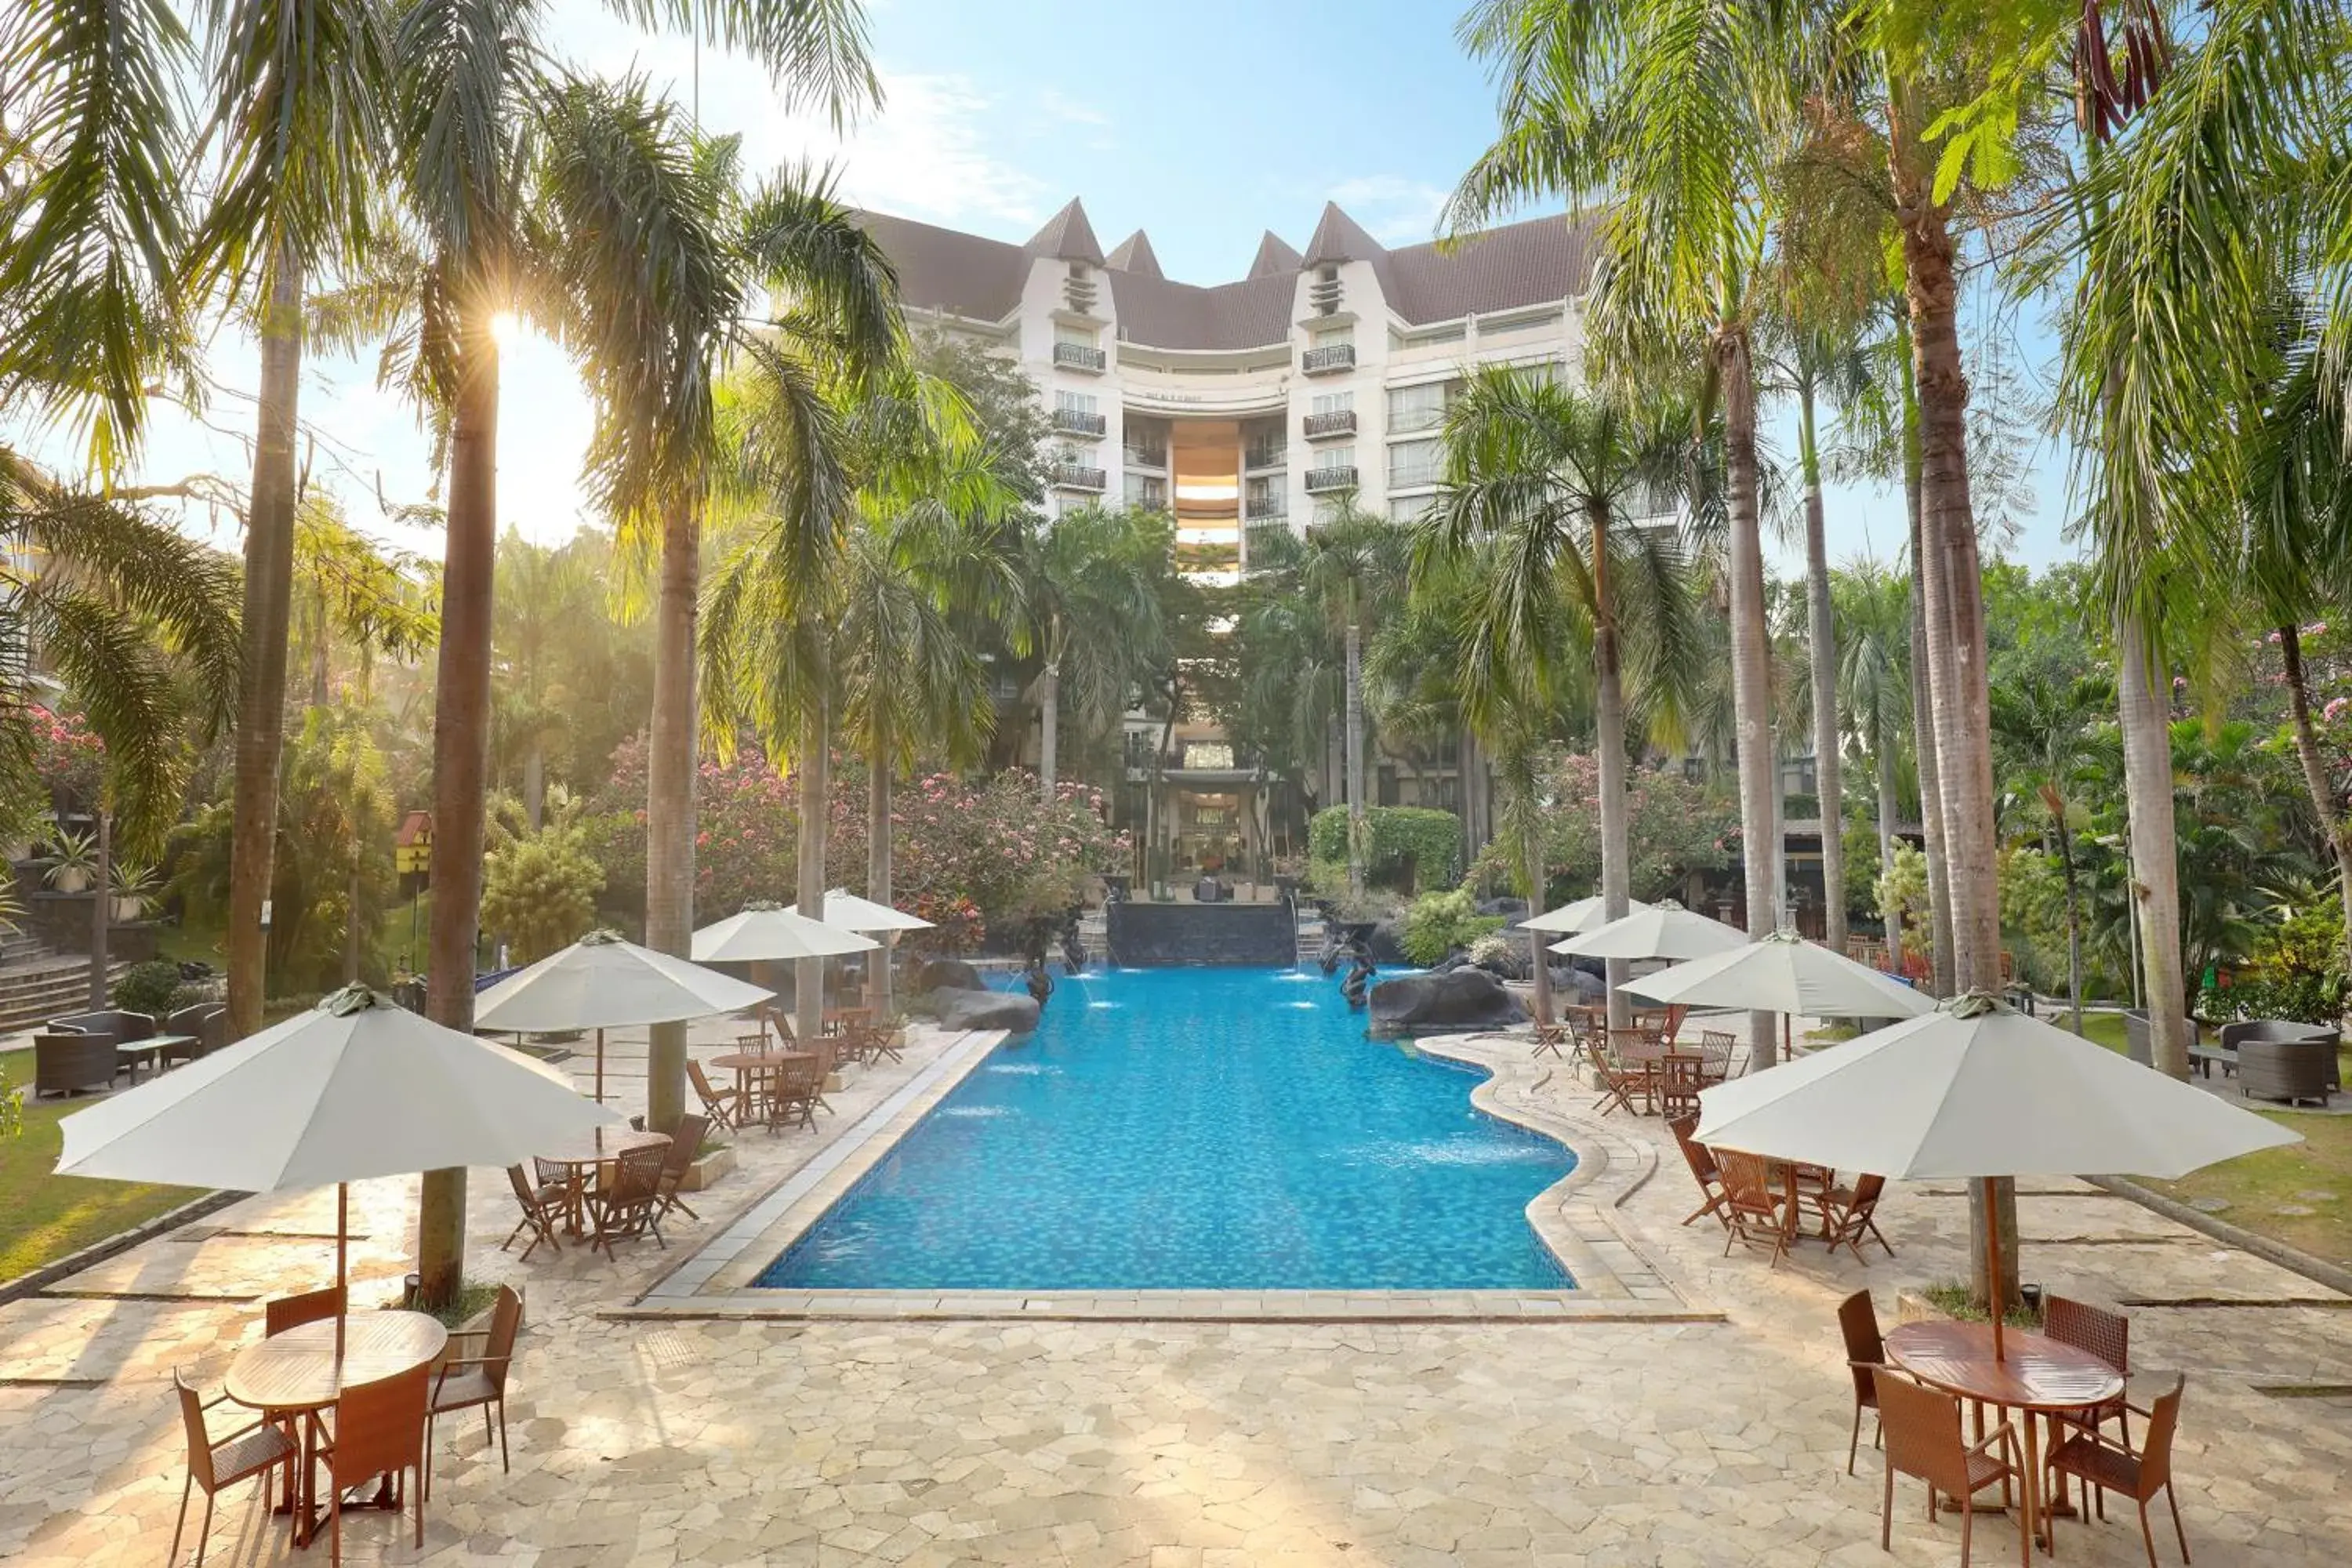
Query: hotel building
column 1323, row 370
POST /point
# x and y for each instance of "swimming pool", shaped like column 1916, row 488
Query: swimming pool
column 1195, row 1129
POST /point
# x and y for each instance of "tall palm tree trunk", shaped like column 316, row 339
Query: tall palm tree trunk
column 1608, row 718
column 102, row 907
column 1886, row 810
column 461, row 757
column 877, row 858
column 1532, row 853
column 1355, row 741
column 2315, row 771
column 1923, row 695
column 670, row 756
column 261, row 692
column 1750, row 669
column 1956, row 642
column 2155, row 851
column 2074, row 920
column 808, row 974
column 1820, row 636
column 1049, row 714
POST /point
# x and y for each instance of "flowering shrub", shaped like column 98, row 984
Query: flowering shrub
column 68, row 756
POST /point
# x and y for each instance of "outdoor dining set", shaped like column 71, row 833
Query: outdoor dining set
column 1972, row 1088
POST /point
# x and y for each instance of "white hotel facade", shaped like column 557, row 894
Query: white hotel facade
column 1232, row 405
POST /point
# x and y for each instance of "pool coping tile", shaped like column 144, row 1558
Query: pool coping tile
column 1616, row 1279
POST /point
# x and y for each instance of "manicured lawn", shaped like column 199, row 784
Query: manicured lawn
column 46, row 1216
column 2272, row 1193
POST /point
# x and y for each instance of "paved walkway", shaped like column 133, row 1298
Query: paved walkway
column 1371, row 1446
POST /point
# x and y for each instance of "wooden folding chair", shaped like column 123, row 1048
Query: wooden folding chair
column 1701, row 1160
column 1755, row 1212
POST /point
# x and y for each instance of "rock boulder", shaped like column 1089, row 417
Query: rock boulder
column 1457, row 1002
column 959, row 1008
column 946, row 974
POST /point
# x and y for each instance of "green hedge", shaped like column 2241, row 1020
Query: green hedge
column 1407, row 847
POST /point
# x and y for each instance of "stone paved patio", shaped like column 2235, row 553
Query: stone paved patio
column 1192, row 1444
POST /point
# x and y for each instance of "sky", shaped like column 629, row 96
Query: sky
column 1203, row 124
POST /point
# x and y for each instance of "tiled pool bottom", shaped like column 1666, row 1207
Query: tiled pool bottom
column 1194, row 1131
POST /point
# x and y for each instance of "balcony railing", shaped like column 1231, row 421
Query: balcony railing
column 1079, row 476
column 1079, row 356
column 1338, row 421
column 1335, row 477
column 1276, row 511
column 1078, row 422
column 1266, row 456
column 1334, row 356
column 1144, row 456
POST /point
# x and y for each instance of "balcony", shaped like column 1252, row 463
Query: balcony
column 1079, row 476
column 1338, row 421
column 1325, row 360
column 1320, row 481
column 1144, row 456
column 1266, row 455
column 1079, row 356
column 1078, row 422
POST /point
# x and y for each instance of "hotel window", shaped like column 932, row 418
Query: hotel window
column 1411, row 509
column 1077, row 337
column 1333, row 337
column 1420, row 407
column 1266, row 498
column 1075, row 402
column 1333, row 403
column 1146, row 490
column 1336, row 458
column 1413, row 463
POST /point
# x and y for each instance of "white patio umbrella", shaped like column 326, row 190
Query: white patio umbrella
column 357, row 1087
column 1978, row 1090
column 1580, row 916
column 767, row 934
column 845, row 910
column 1784, row 973
column 1665, row 930
column 601, row 982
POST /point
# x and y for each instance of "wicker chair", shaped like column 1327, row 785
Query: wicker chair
column 2102, row 1467
column 2099, row 1333
column 379, row 1430
column 723, row 1106
column 1755, row 1212
column 685, row 1144
column 545, row 1206
column 1701, row 1160
column 630, row 1205
column 1865, row 1352
column 1922, row 1428
column 1850, row 1213
column 463, row 1383
column 249, row 1451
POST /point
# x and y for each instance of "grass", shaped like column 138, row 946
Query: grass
column 47, row 1216
column 2269, row 1192
column 475, row 1297
column 1950, row 1298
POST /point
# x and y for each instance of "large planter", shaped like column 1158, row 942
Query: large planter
column 707, row 1170
column 69, row 880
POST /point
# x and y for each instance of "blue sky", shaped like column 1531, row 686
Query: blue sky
column 1203, row 123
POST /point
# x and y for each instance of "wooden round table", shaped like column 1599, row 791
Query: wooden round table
column 2039, row 1377
column 584, row 1153
column 747, row 1064
column 297, row 1372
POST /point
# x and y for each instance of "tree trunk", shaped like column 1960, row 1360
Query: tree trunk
column 1956, row 642
column 1355, row 741
column 261, row 690
column 535, row 783
column 671, row 754
column 877, row 860
column 461, row 757
column 1820, row 636
column 1887, row 807
column 1049, row 714
column 1609, row 720
column 1531, row 854
column 1750, row 666
column 2315, row 771
column 1923, row 701
column 2155, row 851
column 101, row 908
column 2073, row 925
column 808, row 974
column 354, row 938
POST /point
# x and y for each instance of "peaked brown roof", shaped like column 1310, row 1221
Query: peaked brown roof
column 1539, row 261
column 1135, row 254
column 1066, row 236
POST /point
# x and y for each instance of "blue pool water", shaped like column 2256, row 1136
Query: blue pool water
column 1195, row 1129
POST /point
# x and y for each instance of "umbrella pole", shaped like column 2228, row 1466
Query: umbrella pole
column 342, row 1265
column 1997, row 1297
column 600, row 1064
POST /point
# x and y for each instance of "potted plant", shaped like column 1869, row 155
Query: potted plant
column 73, row 861
column 134, row 889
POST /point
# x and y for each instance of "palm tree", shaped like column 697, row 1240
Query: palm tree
column 1562, row 486
column 540, row 593
column 472, row 97
column 1097, row 619
column 1670, row 113
column 1354, row 560
column 1875, row 692
column 2049, row 738
column 299, row 93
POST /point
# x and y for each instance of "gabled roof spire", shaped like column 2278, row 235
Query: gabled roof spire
column 1066, row 236
column 1339, row 238
column 1273, row 256
column 1135, row 254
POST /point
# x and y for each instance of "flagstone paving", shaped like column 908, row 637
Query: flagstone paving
column 1187, row 1445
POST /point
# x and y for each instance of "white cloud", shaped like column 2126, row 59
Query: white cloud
column 1395, row 211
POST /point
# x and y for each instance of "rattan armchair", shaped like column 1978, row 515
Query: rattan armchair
column 1865, row 1352
column 251, row 1451
column 463, row 1383
column 2102, row 1467
column 378, row 1430
column 2102, row 1333
column 1922, row 1428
